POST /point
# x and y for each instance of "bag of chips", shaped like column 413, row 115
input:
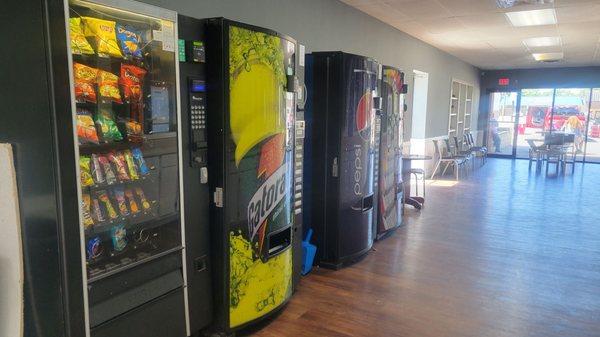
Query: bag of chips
column 85, row 171
column 133, row 206
column 86, row 130
column 119, row 163
column 131, row 165
column 86, row 210
column 79, row 44
column 97, row 212
column 139, row 160
column 142, row 197
column 109, row 174
column 119, row 194
column 107, row 126
column 108, row 86
column 108, row 206
column 97, row 173
column 103, row 33
column 85, row 77
column 94, row 248
column 118, row 235
column 131, row 81
column 130, row 41
column 133, row 128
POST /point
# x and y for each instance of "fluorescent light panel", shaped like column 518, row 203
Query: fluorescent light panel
column 547, row 41
column 538, row 17
column 548, row 56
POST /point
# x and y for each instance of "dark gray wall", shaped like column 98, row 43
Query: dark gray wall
column 332, row 25
column 580, row 77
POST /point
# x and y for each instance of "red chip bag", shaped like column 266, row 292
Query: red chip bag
column 131, row 81
column 85, row 78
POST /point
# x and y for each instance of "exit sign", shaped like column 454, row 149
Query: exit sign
column 503, row 81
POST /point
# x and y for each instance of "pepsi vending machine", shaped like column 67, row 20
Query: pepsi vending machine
column 340, row 152
column 389, row 196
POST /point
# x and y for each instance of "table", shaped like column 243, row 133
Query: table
column 415, row 201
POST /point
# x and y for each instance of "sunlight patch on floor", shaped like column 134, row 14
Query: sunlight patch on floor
column 442, row 183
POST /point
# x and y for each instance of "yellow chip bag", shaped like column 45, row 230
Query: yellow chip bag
column 103, row 31
column 79, row 44
column 108, row 86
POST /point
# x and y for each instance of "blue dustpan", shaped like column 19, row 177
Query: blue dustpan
column 308, row 253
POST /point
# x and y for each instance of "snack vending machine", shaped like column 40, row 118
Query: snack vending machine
column 389, row 198
column 340, row 152
column 251, row 103
column 111, row 113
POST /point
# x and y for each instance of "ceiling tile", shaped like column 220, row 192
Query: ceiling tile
column 478, row 32
column 421, row 9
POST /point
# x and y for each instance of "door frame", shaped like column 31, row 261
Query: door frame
column 515, row 126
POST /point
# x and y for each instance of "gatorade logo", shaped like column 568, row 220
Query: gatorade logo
column 265, row 199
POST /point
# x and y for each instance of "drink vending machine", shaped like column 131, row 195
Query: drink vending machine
column 340, row 116
column 389, row 198
column 245, row 89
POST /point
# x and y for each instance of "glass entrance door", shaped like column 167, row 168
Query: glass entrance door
column 534, row 117
column 502, row 123
column 592, row 144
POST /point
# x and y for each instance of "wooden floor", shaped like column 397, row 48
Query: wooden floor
column 503, row 253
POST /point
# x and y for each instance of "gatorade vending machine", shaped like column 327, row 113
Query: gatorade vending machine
column 389, row 198
column 250, row 118
column 340, row 151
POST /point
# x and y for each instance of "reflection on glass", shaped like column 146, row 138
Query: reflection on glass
column 501, row 126
column 569, row 115
column 535, row 113
column 592, row 146
column 125, row 101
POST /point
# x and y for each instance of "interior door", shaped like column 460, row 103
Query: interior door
column 502, row 123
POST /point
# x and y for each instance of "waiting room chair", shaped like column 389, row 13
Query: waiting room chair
column 447, row 160
column 479, row 151
column 536, row 153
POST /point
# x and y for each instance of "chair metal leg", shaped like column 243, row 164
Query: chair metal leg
column 437, row 165
column 456, row 167
column 445, row 168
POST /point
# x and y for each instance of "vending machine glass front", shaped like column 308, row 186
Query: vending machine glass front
column 125, row 118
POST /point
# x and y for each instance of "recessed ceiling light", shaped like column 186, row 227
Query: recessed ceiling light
column 548, row 57
column 535, row 17
column 547, row 41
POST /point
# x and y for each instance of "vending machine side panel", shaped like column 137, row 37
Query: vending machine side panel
column 52, row 295
column 192, row 72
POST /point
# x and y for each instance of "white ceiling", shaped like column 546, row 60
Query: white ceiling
column 478, row 32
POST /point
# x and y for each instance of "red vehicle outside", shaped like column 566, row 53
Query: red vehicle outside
column 561, row 114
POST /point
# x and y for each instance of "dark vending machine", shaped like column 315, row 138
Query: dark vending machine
column 194, row 130
column 340, row 152
column 110, row 129
column 389, row 200
column 251, row 103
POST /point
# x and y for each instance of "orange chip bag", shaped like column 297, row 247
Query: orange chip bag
column 84, row 82
column 103, row 33
column 108, row 86
column 86, row 130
